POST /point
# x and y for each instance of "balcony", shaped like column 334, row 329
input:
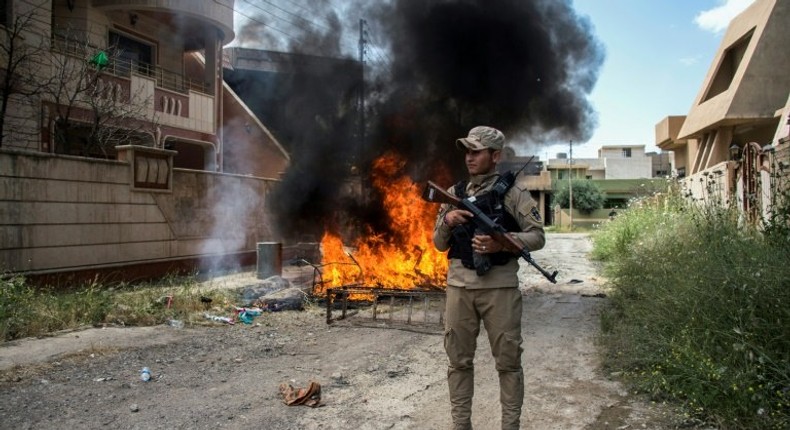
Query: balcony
column 190, row 14
column 123, row 68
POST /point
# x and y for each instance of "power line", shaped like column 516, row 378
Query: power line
column 259, row 22
column 295, row 15
column 275, row 15
column 345, row 36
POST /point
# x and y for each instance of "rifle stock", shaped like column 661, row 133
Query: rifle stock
column 435, row 194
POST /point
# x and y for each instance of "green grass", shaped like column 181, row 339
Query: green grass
column 699, row 309
column 27, row 311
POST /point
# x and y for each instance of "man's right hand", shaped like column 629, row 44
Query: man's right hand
column 457, row 217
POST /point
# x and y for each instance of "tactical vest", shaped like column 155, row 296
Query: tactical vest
column 493, row 206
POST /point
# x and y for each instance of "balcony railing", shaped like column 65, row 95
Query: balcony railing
column 122, row 67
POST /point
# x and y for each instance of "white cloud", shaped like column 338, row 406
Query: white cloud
column 718, row 18
column 689, row 61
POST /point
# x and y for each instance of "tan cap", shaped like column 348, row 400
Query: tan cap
column 482, row 137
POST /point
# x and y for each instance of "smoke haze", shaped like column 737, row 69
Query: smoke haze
column 525, row 67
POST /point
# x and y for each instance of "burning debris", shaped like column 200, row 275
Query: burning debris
column 404, row 257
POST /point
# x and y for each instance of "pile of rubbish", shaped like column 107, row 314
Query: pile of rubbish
column 273, row 294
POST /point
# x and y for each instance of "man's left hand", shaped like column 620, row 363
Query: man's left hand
column 484, row 244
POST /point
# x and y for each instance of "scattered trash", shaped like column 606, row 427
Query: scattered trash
column 250, row 311
column 575, row 281
column 134, row 408
column 175, row 323
column 270, row 285
column 145, row 374
column 245, row 317
column 219, row 318
column 309, row 396
column 283, row 304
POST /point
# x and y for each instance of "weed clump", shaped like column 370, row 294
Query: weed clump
column 26, row 310
column 699, row 308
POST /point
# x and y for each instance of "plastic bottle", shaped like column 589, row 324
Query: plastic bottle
column 145, row 374
column 175, row 323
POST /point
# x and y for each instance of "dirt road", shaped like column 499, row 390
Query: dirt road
column 372, row 377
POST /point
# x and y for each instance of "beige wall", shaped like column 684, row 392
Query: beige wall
column 62, row 213
column 713, row 183
column 562, row 217
column 248, row 148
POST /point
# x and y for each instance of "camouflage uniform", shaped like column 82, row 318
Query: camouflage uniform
column 493, row 298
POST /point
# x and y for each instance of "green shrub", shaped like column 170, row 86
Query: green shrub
column 16, row 306
column 587, row 197
column 698, row 310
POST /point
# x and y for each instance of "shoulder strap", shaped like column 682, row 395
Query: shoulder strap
column 460, row 189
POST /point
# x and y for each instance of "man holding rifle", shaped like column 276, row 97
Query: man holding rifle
column 482, row 281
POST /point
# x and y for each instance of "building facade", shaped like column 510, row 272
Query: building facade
column 123, row 151
column 734, row 135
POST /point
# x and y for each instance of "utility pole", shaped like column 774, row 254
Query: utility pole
column 361, row 101
column 570, row 184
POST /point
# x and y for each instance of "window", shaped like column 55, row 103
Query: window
column 626, row 152
column 5, row 12
column 131, row 55
column 728, row 65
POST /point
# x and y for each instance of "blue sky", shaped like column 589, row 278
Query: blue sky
column 657, row 56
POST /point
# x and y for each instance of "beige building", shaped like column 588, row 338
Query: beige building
column 613, row 162
column 735, row 131
column 126, row 153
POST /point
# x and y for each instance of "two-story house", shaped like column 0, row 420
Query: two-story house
column 123, row 151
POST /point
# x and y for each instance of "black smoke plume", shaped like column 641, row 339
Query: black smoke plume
column 525, row 67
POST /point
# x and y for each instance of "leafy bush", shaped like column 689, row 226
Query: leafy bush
column 15, row 300
column 698, row 310
column 587, row 197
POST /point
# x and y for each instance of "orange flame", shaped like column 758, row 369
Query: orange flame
column 406, row 261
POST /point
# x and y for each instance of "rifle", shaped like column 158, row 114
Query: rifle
column 435, row 194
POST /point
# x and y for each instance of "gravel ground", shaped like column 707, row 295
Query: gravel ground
column 372, row 376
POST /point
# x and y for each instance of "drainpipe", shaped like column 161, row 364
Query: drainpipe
column 219, row 102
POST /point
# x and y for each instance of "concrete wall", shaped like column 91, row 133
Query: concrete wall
column 637, row 151
column 249, row 148
column 714, row 183
column 61, row 213
column 562, row 217
column 629, row 168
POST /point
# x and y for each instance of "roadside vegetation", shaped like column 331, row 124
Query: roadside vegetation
column 27, row 311
column 587, row 196
column 699, row 311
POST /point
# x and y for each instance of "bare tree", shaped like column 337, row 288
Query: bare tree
column 93, row 104
column 23, row 49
